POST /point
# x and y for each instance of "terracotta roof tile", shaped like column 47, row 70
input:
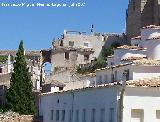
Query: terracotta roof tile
column 151, row 26
column 133, row 58
column 154, row 82
column 154, row 38
column 136, row 38
column 130, row 47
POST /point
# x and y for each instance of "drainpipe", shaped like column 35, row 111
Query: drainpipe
column 121, row 105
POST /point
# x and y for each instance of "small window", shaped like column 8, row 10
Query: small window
column 100, row 79
column 93, row 115
column 102, row 115
column 66, row 55
column 86, row 44
column 60, row 88
column 77, row 116
column 57, row 115
column 106, row 78
column 86, row 57
column 111, row 115
column 84, row 115
column 70, row 115
column 71, row 43
column 63, row 115
column 112, row 78
column 137, row 115
column 158, row 114
column 52, row 114
column 136, row 44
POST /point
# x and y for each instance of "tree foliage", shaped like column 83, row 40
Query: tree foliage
column 3, row 58
column 20, row 97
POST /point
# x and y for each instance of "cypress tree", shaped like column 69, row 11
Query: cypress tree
column 20, row 97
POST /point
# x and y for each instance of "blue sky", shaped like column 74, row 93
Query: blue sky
column 37, row 26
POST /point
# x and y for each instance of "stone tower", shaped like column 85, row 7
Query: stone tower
column 141, row 13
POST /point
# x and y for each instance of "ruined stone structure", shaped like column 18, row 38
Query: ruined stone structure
column 76, row 48
column 141, row 13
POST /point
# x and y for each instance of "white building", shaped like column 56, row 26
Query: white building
column 127, row 90
column 140, row 101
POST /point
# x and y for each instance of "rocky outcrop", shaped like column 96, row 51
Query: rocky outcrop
column 15, row 117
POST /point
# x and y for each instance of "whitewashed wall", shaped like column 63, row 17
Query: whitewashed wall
column 135, row 73
column 95, row 98
column 149, row 32
column 135, row 42
column 153, row 49
column 118, row 77
column 146, row 99
column 120, row 53
column 143, row 72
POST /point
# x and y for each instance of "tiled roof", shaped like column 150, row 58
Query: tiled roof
column 136, row 38
column 130, row 47
column 154, row 38
column 151, row 26
column 133, row 58
column 115, row 66
column 135, row 62
column 154, row 82
column 147, row 62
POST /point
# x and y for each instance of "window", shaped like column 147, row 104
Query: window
column 100, row 79
column 158, row 114
column 137, row 115
column 0, row 69
column 60, row 88
column 112, row 78
column 111, row 115
column 63, row 115
column 70, row 115
column 102, row 115
column 106, row 78
column 93, row 115
column 86, row 44
column 57, row 115
column 84, row 115
column 52, row 114
column 71, row 43
column 136, row 45
column 115, row 75
column 77, row 116
column 66, row 55
column 126, row 74
column 86, row 57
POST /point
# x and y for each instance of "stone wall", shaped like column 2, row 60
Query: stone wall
column 141, row 13
column 15, row 117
